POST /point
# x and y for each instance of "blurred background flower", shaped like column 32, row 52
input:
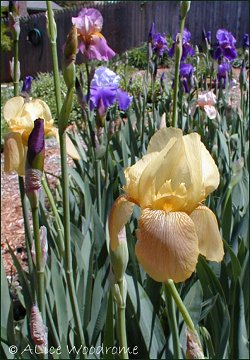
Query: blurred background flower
column 91, row 42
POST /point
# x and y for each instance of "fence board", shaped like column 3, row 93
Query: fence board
column 126, row 25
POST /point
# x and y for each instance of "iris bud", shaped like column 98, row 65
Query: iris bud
column 69, row 58
column 38, row 330
column 185, row 6
column 119, row 257
column 35, row 163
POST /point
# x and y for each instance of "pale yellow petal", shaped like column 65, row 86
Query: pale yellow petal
column 13, row 108
column 33, row 109
column 121, row 212
column 133, row 175
column 14, row 154
column 192, row 145
column 210, row 241
column 210, row 173
column 170, row 164
column 46, row 114
column 161, row 138
column 167, row 245
column 21, row 123
column 169, row 200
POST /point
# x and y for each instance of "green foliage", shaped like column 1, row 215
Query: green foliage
column 6, row 40
column 216, row 295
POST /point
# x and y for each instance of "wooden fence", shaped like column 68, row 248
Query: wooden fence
column 126, row 25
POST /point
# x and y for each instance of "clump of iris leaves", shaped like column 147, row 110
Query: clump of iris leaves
column 216, row 295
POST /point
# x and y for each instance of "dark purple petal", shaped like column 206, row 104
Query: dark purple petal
column 218, row 53
column 36, row 143
column 171, row 51
column 187, row 50
column 159, row 44
column 186, row 36
column 124, row 100
column 151, row 32
column 224, row 37
column 230, row 53
column 27, row 84
column 245, row 41
column 186, row 70
column 223, row 69
column 209, row 37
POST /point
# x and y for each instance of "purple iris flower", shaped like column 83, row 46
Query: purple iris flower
column 105, row 91
column 245, row 44
column 36, row 144
column 27, row 84
column 223, row 70
column 186, row 76
column 187, row 48
column 226, row 45
column 159, row 44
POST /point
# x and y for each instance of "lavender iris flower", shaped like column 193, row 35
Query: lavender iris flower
column 27, row 84
column 105, row 90
column 187, row 48
column 226, row 45
column 186, row 76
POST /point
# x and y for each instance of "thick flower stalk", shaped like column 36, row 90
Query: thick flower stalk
column 170, row 184
column 91, row 43
column 33, row 176
column 20, row 116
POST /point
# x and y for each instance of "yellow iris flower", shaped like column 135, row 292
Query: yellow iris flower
column 20, row 116
column 169, row 184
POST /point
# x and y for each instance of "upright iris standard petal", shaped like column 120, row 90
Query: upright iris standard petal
column 169, row 183
column 27, row 82
column 187, row 48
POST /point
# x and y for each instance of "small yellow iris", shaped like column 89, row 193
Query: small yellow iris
column 169, row 184
column 20, row 116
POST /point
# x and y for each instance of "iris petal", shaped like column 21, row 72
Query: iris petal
column 167, row 245
column 210, row 241
column 12, row 108
column 210, row 173
column 161, row 138
column 133, row 175
column 124, row 100
column 120, row 214
column 14, row 153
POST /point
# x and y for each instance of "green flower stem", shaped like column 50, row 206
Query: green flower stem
column 66, row 222
column 39, row 268
column 176, row 76
column 179, row 303
column 121, row 321
column 58, row 223
column 173, row 323
column 53, row 36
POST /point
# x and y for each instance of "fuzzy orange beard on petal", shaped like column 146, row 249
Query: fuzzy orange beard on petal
column 167, row 245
